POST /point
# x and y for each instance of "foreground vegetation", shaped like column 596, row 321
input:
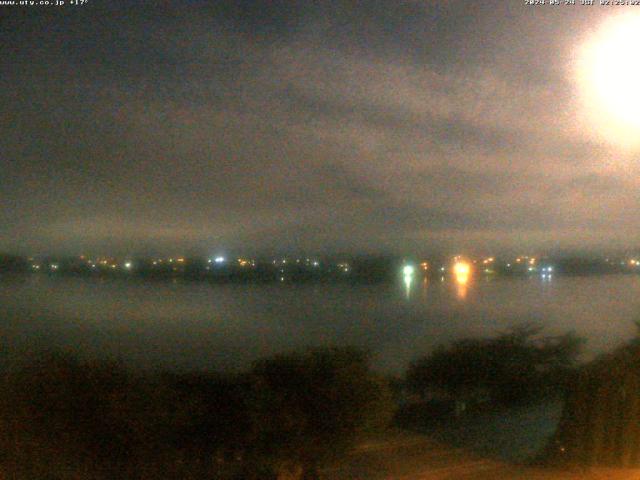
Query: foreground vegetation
column 518, row 367
column 65, row 417
column 61, row 417
column 601, row 420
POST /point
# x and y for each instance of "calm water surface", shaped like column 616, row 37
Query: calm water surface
column 187, row 325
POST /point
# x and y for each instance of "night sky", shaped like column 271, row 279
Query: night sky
column 309, row 126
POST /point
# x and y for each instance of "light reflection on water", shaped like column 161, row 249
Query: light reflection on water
column 462, row 285
column 186, row 325
column 408, row 280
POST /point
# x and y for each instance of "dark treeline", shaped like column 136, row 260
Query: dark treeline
column 592, row 266
column 62, row 417
column 13, row 263
column 286, row 416
column 344, row 268
column 571, row 265
column 360, row 269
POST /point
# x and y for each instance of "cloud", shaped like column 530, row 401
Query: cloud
column 391, row 126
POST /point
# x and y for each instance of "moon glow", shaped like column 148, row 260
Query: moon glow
column 608, row 72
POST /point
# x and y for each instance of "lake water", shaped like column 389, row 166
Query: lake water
column 184, row 325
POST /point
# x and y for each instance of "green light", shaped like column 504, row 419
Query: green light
column 408, row 270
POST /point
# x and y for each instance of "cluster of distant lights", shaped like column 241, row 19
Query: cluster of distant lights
column 285, row 261
column 461, row 268
column 546, row 272
column 344, row 267
column 94, row 264
column 102, row 263
column 160, row 261
column 218, row 261
column 221, row 260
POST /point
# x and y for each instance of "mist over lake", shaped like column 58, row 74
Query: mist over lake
column 184, row 325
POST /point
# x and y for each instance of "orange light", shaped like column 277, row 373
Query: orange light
column 461, row 269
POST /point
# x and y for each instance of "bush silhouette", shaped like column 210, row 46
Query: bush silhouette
column 516, row 366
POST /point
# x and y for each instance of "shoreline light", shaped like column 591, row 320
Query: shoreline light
column 462, row 271
column 408, row 272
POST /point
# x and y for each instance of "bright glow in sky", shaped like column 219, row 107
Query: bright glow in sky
column 608, row 71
